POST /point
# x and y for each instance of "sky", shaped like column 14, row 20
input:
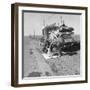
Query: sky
column 34, row 22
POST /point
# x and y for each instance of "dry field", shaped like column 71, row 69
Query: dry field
column 35, row 65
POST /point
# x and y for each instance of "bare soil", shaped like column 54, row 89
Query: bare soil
column 35, row 65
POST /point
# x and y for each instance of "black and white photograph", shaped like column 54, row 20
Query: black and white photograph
column 49, row 44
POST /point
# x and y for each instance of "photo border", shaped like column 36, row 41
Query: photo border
column 15, row 48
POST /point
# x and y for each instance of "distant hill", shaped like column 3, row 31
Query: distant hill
column 37, row 37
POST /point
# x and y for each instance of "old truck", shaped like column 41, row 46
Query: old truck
column 59, row 40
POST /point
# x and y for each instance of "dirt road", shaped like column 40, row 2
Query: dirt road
column 35, row 62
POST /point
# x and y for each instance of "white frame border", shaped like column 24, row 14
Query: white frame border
column 54, row 79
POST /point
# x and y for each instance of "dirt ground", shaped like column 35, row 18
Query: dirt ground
column 35, row 65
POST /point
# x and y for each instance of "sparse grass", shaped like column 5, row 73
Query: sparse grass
column 64, row 65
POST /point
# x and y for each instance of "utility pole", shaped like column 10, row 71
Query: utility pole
column 61, row 20
column 43, row 22
column 34, row 33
